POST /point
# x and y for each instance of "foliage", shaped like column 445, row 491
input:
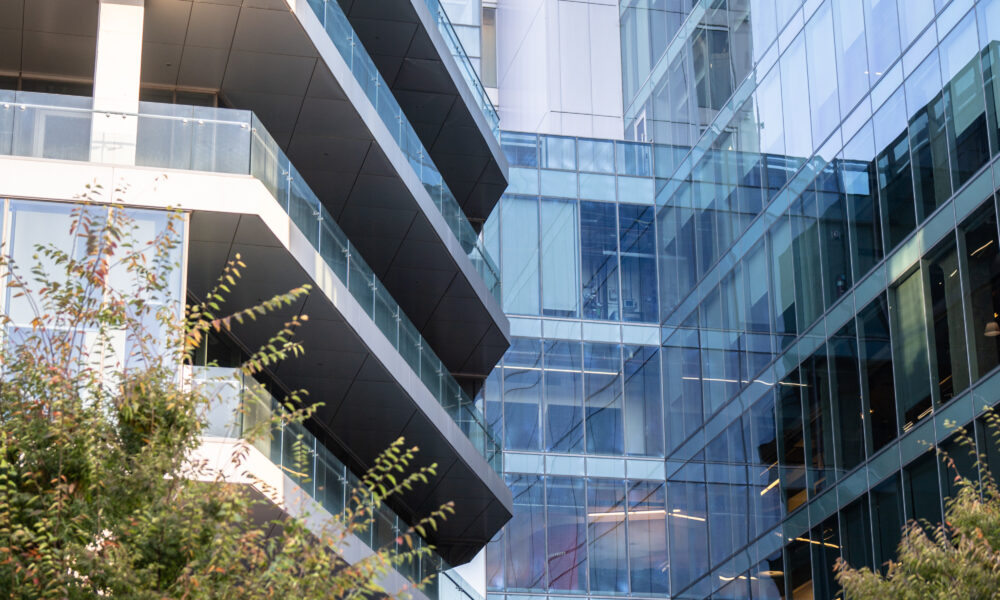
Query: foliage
column 99, row 495
column 959, row 558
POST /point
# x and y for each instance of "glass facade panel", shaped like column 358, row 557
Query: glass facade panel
column 560, row 258
column 606, row 536
column 567, row 524
column 599, row 252
column 602, row 384
column 947, row 322
column 980, row 255
column 909, row 351
column 519, row 256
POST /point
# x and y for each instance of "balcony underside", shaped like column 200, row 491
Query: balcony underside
column 367, row 401
column 259, row 56
column 414, row 58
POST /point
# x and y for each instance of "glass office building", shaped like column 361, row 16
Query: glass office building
column 827, row 302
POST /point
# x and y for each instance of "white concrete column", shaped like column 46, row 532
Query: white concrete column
column 116, row 81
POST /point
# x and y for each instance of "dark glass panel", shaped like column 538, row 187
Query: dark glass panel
column 923, row 498
column 525, row 534
column 909, row 350
column 606, row 535
column 856, row 533
column 896, row 191
column 767, row 580
column 799, row 568
column 819, row 422
column 980, row 259
column 845, row 389
column 603, row 398
column 887, row 519
column 763, row 460
column 947, row 321
column 599, row 247
column 791, row 442
column 647, row 532
column 825, row 552
column 959, row 460
column 876, row 371
column 566, row 534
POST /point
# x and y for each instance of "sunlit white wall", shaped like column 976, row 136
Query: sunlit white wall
column 559, row 67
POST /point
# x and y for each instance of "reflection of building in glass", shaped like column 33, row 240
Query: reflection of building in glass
column 827, row 301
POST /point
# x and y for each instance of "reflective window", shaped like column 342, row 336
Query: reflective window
column 876, row 371
column 947, row 321
column 856, row 533
column 558, row 153
column 807, row 268
column 965, row 108
column 563, row 397
column 566, row 532
column 887, row 519
column 560, row 257
column 524, row 565
column 928, row 139
column 791, row 441
column 634, row 159
column 686, row 526
column 638, row 263
column 519, row 258
column 852, row 55
column 833, row 228
column 893, row 164
column 763, row 460
column 909, row 351
column 596, row 156
column 521, row 149
column 603, row 393
column 643, row 414
column 823, row 99
column 842, row 350
column 883, row 35
column 681, row 386
column 599, row 251
column 647, row 533
column 606, row 535
column 522, row 383
column 923, row 498
column 825, row 548
column 982, row 259
column 819, row 422
column 858, row 177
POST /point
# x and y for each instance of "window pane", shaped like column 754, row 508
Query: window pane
column 603, row 393
column 560, row 258
column 606, row 535
column 947, row 322
column 876, row 371
column 858, row 178
column 638, row 263
column 980, row 259
column 928, row 139
column 909, row 351
column 558, row 153
column 596, row 156
column 687, row 523
column 808, row 272
column 846, row 393
column 791, row 442
column 887, row 527
column 883, row 35
column 681, row 386
column 893, row 164
column 822, row 87
column 521, row 149
column 836, row 255
column 763, row 459
column 599, row 248
column 923, row 497
column 525, row 534
column 856, row 533
column 643, row 418
column 563, row 397
column 818, row 421
column 963, row 99
column 567, row 534
column 852, row 55
column 519, row 254
column 782, row 277
column 647, row 532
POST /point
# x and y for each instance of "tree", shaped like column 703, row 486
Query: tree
column 98, row 494
column 959, row 558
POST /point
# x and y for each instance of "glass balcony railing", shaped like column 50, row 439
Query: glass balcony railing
column 336, row 25
column 234, row 141
column 242, row 406
column 464, row 64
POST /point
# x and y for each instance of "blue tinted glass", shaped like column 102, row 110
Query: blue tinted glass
column 558, row 153
column 519, row 257
column 599, row 251
column 606, row 534
column 596, row 156
column 602, row 388
column 638, row 263
column 635, row 159
column 521, row 149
